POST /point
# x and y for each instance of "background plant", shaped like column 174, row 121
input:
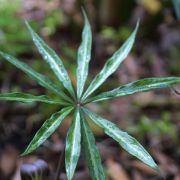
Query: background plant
column 15, row 32
column 74, row 101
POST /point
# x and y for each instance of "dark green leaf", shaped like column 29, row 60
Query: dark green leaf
column 91, row 151
column 127, row 142
column 53, row 60
column 73, row 145
column 41, row 79
column 47, row 129
column 112, row 64
column 84, row 56
column 142, row 85
column 28, row 98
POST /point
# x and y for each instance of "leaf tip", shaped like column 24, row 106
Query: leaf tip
column 28, row 26
column 138, row 21
column 84, row 12
column 26, row 23
column 159, row 171
column 82, row 9
column 24, row 153
column 27, row 151
column 137, row 26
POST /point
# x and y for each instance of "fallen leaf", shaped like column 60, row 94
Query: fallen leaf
column 8, row 161
column 116, row 171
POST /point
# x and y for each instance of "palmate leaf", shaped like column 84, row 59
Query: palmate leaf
column 127, row 142
column 79, row 126
column 91, row 151
column 39, row 78
column 142, row 85
column 84, row 55
column 112, row 64
column 29, row 98
column 47, row 129
column 73, row 145
column 53, row 60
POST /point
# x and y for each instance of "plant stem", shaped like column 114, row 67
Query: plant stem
column 59, row 167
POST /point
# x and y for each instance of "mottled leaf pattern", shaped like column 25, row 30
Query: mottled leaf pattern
column 84, row 55
column 53, row 60
column 127, row 142
column 142, row 85
column 79, row 127
column 39, row 78
column 112, row 64
column 47, row 129
column 91, row 151
column 28, row 98
column 73, row 145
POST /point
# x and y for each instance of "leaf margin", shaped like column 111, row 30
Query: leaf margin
column 55, row 62
column 84, row 56
column 61, row 115
column 39, row 78
column 112, row 64
column 99, row 171
column 29, row 98
column 136, row 87
column 73, row 143
column 105, row 124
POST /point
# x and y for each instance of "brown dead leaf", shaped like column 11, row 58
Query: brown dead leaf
column 8, row 161
column 63, row 128
column 136, row 175
column 17, row 173
column 116, row 171
column 144, row 98
column 130, row 71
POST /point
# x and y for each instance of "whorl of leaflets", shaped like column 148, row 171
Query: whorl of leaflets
column 79, row 132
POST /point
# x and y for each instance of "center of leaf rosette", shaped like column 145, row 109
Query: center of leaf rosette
column 80, row 104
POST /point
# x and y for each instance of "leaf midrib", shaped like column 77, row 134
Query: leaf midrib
column 72, row 147
column 91, row 152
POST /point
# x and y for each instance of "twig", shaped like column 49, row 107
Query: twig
column 175, row 91
column 60, row 163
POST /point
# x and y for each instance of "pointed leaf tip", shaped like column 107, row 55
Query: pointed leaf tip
column 48, row 127
column 26, row 22
column 84, row 56
column 83, row 10
column 112, row 63
column 55, row 63
column 127, row 142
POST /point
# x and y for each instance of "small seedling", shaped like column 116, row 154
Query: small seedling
column 74, row 101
